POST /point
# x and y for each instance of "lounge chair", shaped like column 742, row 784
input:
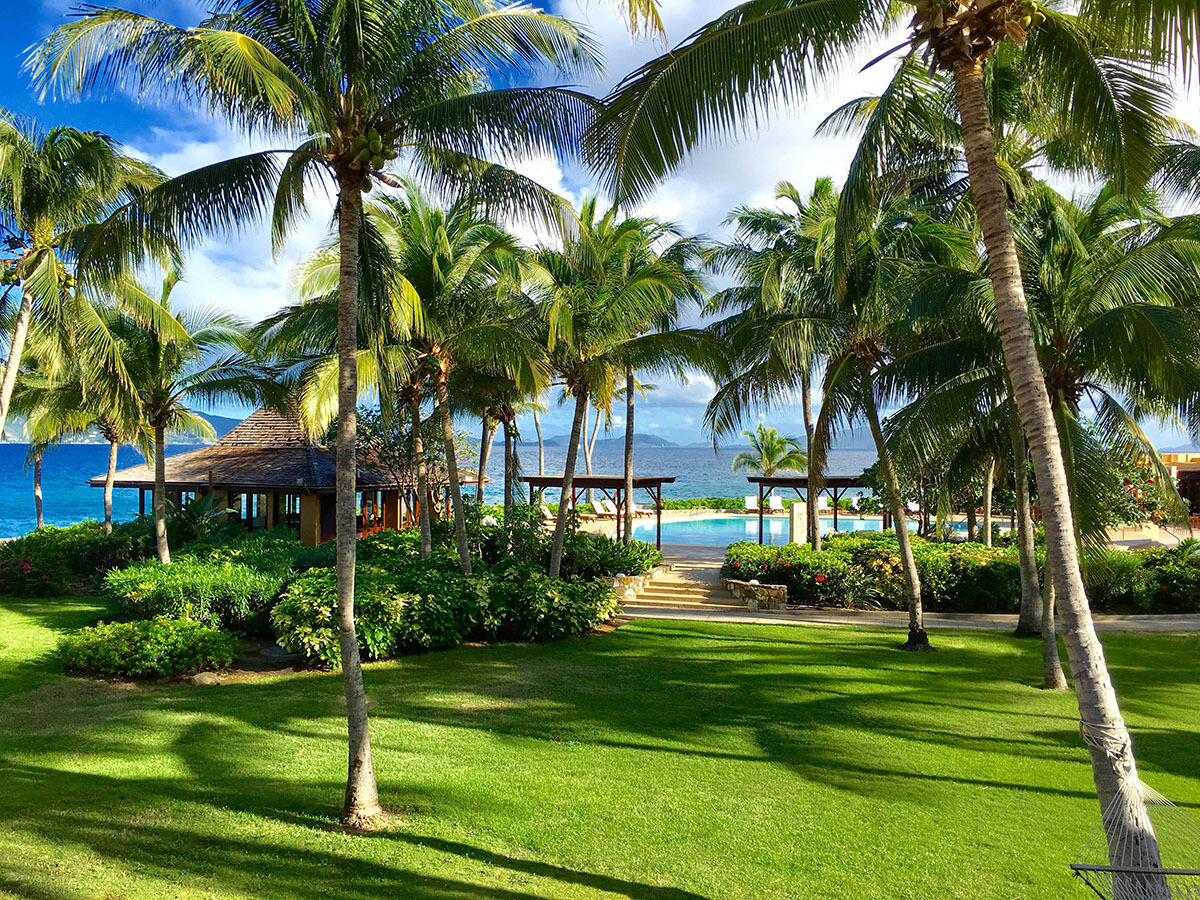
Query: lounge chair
column 752, row 504
column 605, row 508
column 822, row 503
column 639, row 513
column 775, row 504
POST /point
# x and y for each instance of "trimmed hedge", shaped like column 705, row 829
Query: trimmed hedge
column 148, row 648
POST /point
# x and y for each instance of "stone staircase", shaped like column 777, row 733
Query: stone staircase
column 696, row 587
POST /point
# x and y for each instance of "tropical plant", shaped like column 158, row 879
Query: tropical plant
column 772, row 348
column 1106, row 97
column 770, row 453
column 65, row 199
column 205, row 364
column 600, row 295
column 362, row 81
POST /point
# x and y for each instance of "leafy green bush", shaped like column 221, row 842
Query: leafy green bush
column 1170, row 580
column 52, row 560
column 1117, row 579
column 526, row 604
column 220, row 594
column 864, row 569
column 587, row 555
column 705, row 503
column 306, row 617
column 149, row 648
column 278, row 550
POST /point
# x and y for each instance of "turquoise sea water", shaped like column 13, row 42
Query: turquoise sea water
column 67, row 498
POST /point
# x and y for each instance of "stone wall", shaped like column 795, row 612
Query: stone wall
column 627, row 587
column 757, row 596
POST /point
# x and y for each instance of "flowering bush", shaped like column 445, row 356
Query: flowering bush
column 52, row 561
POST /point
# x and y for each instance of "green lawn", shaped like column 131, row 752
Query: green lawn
column 666, row 760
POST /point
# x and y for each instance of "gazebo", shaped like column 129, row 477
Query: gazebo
column 835, row 486
column 271, row 474
column 613, row 488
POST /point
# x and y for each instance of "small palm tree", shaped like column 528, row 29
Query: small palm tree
column 770, row 453
column 208, row 365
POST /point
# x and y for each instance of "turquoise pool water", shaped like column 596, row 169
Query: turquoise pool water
column 723, row 530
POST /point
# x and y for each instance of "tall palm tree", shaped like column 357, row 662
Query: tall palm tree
column 764, row 51
column 769, row 453
column 771, row 346
column 599, row 295
column 65, row 200
column 361, row 81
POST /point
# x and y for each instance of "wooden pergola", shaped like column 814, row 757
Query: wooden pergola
column 613, row 488
column 835, row 486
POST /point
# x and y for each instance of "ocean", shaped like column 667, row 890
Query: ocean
column 67, row 498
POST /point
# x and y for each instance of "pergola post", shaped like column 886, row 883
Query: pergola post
column 760, row 512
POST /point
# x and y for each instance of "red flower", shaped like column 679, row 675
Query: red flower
column 820, row 577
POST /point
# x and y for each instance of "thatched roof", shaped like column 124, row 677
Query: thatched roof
column 266, row 452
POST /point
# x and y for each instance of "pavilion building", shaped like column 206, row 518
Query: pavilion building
column 270, row 474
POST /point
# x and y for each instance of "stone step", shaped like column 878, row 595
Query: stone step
column 652, row 603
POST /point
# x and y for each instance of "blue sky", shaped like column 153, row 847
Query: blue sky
column 242, row 276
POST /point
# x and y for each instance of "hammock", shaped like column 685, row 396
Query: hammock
column 1176, row 876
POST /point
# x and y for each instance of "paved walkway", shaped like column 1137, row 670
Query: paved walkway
column 702, row 564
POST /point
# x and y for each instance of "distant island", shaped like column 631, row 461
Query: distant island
column 855, row 439
column 15, row 433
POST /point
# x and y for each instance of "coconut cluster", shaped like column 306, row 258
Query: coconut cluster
column 964, row 32
column 372, row 153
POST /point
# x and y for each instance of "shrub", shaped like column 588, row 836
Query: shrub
column 587, row 556
column 219, row 594
column 1171, row 580
column 149, row 648
column 306, row 617
column 1117, row 579
column 864, row 569
column 526, row 604
column 706, row 503
column 53, row 560
column 279, row 550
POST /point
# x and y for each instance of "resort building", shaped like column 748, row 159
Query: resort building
column 1185, row 467
column 269, row 473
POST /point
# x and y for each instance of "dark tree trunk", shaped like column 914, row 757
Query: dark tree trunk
column 485, row 453
column 1029, row 620
column 810, row 496
column 442, row 384
column 160, row 495
column 110, row 475
column 972, row 521
column 917, row 638
column 510, row 466
column 418, row 449
column 37, row 490
column 564, row 500
column 628, row 510
column 361, row 805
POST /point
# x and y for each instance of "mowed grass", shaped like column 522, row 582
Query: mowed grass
column 666, row 760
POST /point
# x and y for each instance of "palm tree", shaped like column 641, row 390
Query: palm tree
column 765, row 51
column 769, row 453
column 363, row 81
column 65, row 196
column 771, row 347
column 599, row 295
column 170, row 372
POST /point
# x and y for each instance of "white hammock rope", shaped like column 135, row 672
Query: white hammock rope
column 1105, row 862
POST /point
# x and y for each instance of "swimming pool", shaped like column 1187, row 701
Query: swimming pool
column 720, row 530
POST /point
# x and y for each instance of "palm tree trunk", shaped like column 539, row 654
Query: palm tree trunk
column 418, row 449
column 1130, row 834
column 917, row 638
column 537, row 426
column 628, row 510
column 564, row 500
column 989, row 483
column 109, row 477
column 485, row 452
column 37, row 489
column 1029, row 619
column 509, row 468
column 810, row 496
column 362, row 797
column 588, row 444
column 1053, row 678
column 160, row 495
column 15, row 347
column 442, row 384
column 972, row 520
